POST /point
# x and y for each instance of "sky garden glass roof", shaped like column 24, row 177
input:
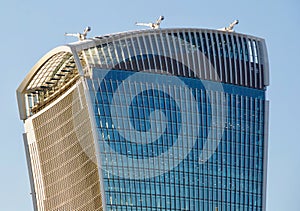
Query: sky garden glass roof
column 51, row 72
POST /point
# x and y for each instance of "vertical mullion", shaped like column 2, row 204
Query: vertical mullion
column 240, row 82
column 134, row 56
column 91, row 56
column 246, row 59
column 187, row 53
column 214, row 57
column 193, row 51
column 208, row 57
column 162, row 53
column 104, row 55
column 149, row 48
column 218, row 60
column 181, row 59
column 130, row 53
column 124, row 52
column 140, row 54
column 170, row 55
column 111, row 52
column 234, row 59
column 250, row 59
column 259, row 56
column 227, row 59
column 252, row 63
column 121, row 56
column 97, row 55
column 145, row 52
column 167, row 53
column 222, row 59
column 229, row 44
column 176, row 47
column 155, row 52
column 200, row 56
column 205, row 58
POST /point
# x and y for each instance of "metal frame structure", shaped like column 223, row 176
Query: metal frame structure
column 246, row 49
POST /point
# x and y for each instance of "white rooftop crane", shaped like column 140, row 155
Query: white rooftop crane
column 155, row 25
column 79, row 35
column 230, row 27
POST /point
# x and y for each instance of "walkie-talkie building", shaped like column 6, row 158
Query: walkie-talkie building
column 158, row 119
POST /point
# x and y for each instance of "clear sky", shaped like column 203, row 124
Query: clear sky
column 31, row 28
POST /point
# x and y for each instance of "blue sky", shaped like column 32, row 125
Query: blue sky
column 31, row 28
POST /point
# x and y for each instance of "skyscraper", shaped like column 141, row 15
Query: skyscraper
column 159, row 119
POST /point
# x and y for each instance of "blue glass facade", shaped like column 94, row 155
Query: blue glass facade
column 230, row 179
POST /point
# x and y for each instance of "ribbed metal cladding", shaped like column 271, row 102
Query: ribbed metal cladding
column 67, row 155
column 207, row 54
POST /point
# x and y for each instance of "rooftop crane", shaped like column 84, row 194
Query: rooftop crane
column 79, row 35
column 230, row 27
column 155, row 25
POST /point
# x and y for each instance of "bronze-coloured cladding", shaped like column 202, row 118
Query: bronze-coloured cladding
column 67, row 155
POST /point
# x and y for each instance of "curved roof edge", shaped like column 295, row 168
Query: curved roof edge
column 169, row 29
column 80, row 45
column 31, row 74
column 266, row 63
